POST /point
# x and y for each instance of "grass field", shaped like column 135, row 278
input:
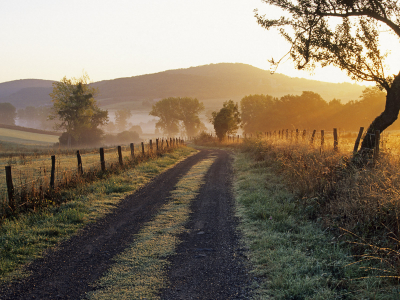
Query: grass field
column 27, row 138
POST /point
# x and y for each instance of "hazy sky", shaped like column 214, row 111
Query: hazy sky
column 47, row 39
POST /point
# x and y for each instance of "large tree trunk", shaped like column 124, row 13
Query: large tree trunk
column 385, row 119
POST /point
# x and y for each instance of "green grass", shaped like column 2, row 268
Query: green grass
column 26, row 138
column 291, row 256
column 139, row 272
column 24, row 238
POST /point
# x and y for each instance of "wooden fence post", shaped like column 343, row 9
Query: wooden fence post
column 102, row 161
column 142, row 148
column 10, row 188
column 120, row 156
column 53, row 170
column 335, row 140
column 157, row 145
column 162, row 144
column 79, row 158
column 150, row 146
column 166, row 140
column 304, row 134
column 322, row 138
column 312, row 137
column 297, row 135
column 287, row 134
column 377, row 141
column 358, row 140
column 132, row 146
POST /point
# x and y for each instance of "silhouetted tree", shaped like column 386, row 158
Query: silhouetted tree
column 352, row 46
column 226, row 120
column 121, row 118
column 175, row 110
column 7, row 113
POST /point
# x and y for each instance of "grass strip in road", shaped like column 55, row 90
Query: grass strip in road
column 24, row 238
column 140, row 271
column 291, row 256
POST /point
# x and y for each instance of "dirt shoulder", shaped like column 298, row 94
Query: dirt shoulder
column 208, row 264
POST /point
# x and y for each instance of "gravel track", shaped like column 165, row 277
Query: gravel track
column 208, row 263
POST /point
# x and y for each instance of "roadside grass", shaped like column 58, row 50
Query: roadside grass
column 140, row 271
column 25, row 237
column 293, row 257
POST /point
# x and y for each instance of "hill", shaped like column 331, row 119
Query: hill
column 211, row 84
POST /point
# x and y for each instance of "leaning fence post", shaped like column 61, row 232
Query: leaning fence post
column 358, row 139
column 102, row 161
column 335, row 140
column 166, row 140
column 120, row 155
column 312, row 137
column 142, row 148
column 132, row 145
column 304, row 134
column 53, row 170
column 157, row 145
column 322, row 138
column 377, row 141
column 10, row 188
column 80, row 168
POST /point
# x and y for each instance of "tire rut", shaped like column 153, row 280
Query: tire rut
column 210, row 263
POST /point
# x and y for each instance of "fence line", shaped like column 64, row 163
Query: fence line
column 62, row 170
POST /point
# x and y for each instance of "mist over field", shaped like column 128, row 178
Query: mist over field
column 211, row 84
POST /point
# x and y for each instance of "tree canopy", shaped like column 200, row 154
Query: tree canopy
column 352, row 45
column 226, row 120
column 7, row 113
column 176, row 112
column 121, row 118
column 309, row 111
column 75, row 106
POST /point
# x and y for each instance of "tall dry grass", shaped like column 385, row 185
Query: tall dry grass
column 360, row 205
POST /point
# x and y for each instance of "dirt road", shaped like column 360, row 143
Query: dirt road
column 208, row 263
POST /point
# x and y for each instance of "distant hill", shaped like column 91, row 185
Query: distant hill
column 211, row 84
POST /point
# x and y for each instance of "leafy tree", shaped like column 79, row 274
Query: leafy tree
column 75, row 106
column 352, row 45
column 227, row 120
column 7, row 113
column 189, row 109
column 121, row 118
column 168, row 111
column 176, row 110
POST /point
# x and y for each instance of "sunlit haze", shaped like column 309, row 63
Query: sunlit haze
column 111, row 39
